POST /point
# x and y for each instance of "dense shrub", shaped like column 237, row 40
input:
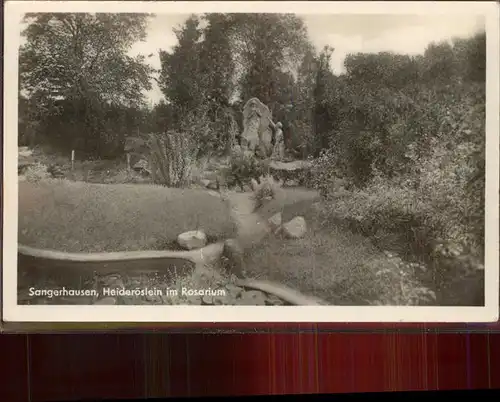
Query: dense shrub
column 268, row 189
column 243, row 167
column 324, row 174
column 412, row 154
column 172, row 158
column 36, row 172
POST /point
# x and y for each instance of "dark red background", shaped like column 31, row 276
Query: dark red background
column 58, row 367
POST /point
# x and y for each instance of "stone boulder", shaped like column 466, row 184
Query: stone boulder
column 213, row 185
column 24, row 152
column 205, row 182
column 210, row 184
column 142, row 166
column 192, row 240
column 257, row 133
column 275, row 222
column 295, row 229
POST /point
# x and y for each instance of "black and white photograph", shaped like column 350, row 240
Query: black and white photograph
column 251, row 162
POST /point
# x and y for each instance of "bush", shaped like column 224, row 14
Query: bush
column 339, row 267
column 399, row 284
column 243, row 167
column 421, row 179
column 266, row 189
column 173, row 156
column 125, row 176
column 324, row 175
column 37, row 172
column 419, row 224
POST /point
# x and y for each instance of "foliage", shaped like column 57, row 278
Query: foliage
column 410, row 140
column 397, row 141
column 266, row 189
column 172, row 156
column 36, row 172
column 179, row 75
column 243, row 167
column 362, row 275
column 221, row 58
column 77, row 68
column 324, row 175
column 267, row 46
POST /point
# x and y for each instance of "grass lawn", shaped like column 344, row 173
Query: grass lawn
column 83, row 217
column 335, row 266
column 332, row 263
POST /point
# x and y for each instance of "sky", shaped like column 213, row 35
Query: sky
column 347, row 33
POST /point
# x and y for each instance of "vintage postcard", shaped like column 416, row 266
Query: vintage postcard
column 235, row 162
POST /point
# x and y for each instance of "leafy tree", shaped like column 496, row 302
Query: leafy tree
column 223, row 57
column 324, row 77
column 81, row 61
column 179, row 76
column 218, row 66
column 265, row 44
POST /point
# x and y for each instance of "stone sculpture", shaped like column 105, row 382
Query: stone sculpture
column 257, row 134
column 279, row 143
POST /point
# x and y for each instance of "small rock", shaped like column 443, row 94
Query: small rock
column 212, row 185
column 252, row 298
column 275, row 222
column 106, row 301
column 113, row 280
column 24, row 151
column 205, row 182
column 296, row 228
column 142, row 166
column 192, row 239
column 273, row 300
column 233, row 291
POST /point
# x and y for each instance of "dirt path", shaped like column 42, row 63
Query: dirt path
column 251, row 227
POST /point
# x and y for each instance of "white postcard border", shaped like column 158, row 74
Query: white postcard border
column 176, row 314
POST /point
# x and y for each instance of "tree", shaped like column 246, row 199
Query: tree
column 324, row 78
column 80, row 61
column 217, row 67
column 179, row 77
column 264, row 45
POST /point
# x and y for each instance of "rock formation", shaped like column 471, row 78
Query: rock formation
column 258, row 133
